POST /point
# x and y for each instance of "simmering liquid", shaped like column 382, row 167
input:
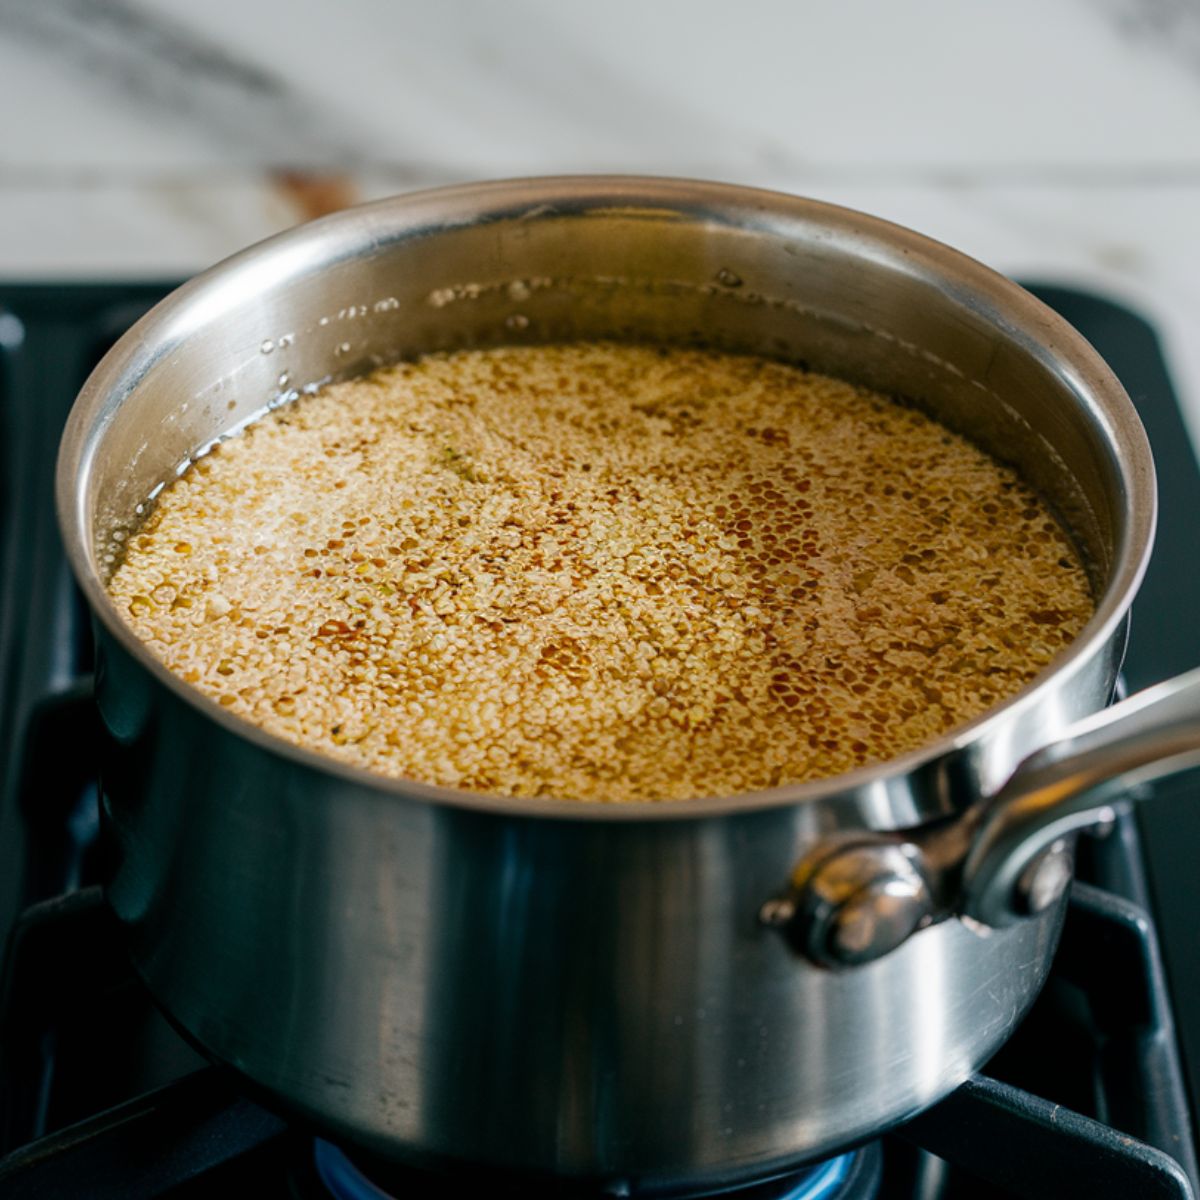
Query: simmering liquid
column 603, row 572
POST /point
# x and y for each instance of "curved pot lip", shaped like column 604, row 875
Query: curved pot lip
column 424, row 213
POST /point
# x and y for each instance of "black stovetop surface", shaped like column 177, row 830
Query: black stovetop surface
column 99, row 1097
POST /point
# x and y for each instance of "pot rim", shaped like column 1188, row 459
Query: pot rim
column 425, row 212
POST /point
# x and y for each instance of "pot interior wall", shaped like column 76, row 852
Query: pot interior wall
column 369, row 289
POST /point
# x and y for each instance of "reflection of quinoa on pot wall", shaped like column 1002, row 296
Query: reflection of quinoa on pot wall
column 603, row 572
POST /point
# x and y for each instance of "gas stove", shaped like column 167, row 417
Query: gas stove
column 100, row 1097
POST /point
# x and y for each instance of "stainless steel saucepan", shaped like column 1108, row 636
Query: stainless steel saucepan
column 677, row 993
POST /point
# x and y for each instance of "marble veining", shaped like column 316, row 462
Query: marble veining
column 149, row 63
column 1168, row 27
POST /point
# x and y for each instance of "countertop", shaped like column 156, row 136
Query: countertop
column 1052, row 139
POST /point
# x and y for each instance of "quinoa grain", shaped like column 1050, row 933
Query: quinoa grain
column 602, row 572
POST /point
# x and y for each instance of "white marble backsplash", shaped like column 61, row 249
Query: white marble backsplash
column 1050, row 138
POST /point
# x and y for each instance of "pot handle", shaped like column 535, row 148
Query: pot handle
column 1070, row 785
column 857, row 897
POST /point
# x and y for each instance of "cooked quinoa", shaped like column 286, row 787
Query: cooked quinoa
column 603, row 572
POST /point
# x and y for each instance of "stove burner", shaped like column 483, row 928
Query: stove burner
column 343, row 1179
column 826, row 1181
column 834, row 1179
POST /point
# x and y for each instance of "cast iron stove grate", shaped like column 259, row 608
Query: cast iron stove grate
column 100, row 1098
